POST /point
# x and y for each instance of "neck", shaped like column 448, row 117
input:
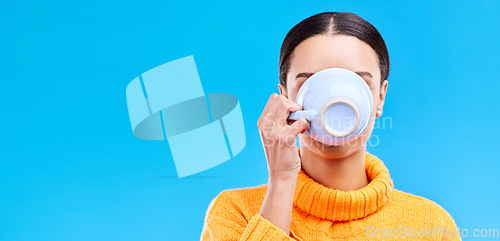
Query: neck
column 345, row 174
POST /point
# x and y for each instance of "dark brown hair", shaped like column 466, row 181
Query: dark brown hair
column 331, row 23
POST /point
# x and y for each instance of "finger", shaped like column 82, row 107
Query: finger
column 299, row 126
column 269, row 105
column 284, row 108
column 270, row 116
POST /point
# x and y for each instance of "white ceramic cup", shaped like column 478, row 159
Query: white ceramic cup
column 338, row 104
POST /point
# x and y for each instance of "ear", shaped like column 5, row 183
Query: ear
column 383, row 91
column 283, row 90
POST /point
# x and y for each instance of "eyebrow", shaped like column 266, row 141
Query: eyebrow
column 360, row 73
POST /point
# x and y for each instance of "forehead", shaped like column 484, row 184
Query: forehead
column 333, row 51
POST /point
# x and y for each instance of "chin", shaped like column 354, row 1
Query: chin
column 327, row 151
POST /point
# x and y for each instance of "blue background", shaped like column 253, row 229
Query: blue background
column 71, row 168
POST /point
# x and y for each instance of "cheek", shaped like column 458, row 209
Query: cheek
column 369, row 129
column 367, row 133
column 292, row 88
column 375, row 99
column 292, row 93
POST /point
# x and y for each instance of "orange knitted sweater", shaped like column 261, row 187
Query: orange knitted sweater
column 374, row 212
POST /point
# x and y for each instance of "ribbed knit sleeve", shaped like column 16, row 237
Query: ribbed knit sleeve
column 450, row 230
column 224, row 220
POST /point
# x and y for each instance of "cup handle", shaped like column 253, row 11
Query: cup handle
column 307, row 114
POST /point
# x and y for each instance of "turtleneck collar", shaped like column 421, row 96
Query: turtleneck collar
column 336, row 205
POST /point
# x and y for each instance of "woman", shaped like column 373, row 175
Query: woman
column 321, row 192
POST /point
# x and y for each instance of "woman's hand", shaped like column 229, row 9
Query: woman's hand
column 283, row 162
column 279, row 139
